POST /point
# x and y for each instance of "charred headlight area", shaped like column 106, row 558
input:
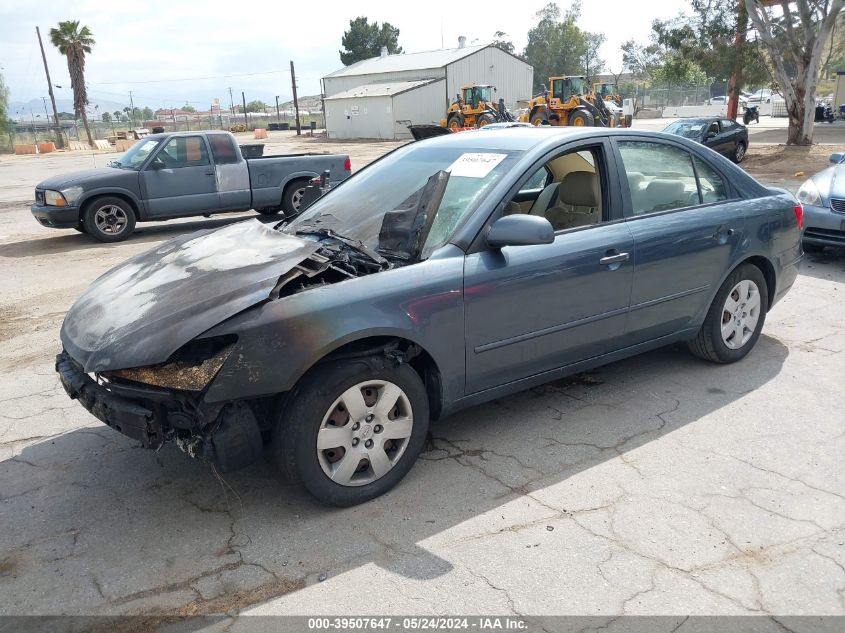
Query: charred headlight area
column 191, row 368
column 170, row 398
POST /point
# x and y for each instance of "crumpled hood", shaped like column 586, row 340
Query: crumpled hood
column 142, row 311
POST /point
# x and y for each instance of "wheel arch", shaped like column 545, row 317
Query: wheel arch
column 124, row 195
column 397, row 348
column 767, row 268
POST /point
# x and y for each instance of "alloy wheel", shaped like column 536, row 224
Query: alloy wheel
column 740, row 314
column 110, row 219
column 364, row 433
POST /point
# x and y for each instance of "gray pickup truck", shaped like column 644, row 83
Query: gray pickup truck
column 167, row 176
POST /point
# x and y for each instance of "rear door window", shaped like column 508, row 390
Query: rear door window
column 223, row 149
column 710, row 183
column 660, row 177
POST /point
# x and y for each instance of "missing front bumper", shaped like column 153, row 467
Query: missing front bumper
column 129, row 418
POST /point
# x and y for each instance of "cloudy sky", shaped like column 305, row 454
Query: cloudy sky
column 172, row 51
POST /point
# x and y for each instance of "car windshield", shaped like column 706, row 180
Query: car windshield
column 357, row 209
column 136, row 155
column 687, row 129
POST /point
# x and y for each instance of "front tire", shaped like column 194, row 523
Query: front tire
column 485, row 119
column 456, row 121
column 581, row 118
column 735, row 318
column 108, row 219
column 539, row 118
column 352, row 429
column 739, row 152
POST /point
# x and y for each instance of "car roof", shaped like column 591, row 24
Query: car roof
column 531, row 138
column 698, row 119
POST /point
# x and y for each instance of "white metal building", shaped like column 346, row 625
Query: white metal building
column 379, row 97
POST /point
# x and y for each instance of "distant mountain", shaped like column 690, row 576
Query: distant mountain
column 21, row 109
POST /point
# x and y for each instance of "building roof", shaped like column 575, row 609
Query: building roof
column 407, row 61
column 382, row 89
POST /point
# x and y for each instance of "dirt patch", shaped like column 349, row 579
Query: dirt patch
column 774, row 162
column 7, row 566
column 225, row 604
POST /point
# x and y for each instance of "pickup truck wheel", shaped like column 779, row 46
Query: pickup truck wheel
column 352, row 429
column 735, row 318
column 108, row 219
column 292, row 197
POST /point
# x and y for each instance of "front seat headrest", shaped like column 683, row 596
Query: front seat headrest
column 580, row 189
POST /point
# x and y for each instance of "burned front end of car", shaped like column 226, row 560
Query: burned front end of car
column 164, row 402
column 201, row 340
column 135, row 350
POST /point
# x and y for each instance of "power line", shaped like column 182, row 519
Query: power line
column 156, row 81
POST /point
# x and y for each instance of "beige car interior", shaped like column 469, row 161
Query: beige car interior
column 573, row 198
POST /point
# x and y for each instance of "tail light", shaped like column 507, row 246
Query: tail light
column 347, row 165
column 799, row 215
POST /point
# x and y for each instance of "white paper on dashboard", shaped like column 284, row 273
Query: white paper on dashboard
column 475, row 164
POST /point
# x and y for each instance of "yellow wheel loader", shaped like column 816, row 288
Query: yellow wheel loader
column 571, row 99
column 474, row 107
column 607, row 92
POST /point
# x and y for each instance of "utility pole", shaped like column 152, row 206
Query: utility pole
column 739, row 46
column 59, row 140
column 246, row 123
column 278, row 117
column 231, row 105
column 132, row 110
column 295, row 100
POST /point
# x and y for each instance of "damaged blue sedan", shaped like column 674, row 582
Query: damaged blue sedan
column 450, row 272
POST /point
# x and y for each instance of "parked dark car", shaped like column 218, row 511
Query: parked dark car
column 182, row 174
column 823, row 197
column 452, row 271
column 723, row 135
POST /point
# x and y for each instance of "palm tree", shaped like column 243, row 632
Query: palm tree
column 74, row 42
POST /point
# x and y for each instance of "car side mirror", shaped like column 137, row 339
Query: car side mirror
column 520, row 230
column 709, row 135
column 837, row 158
column 157, row 164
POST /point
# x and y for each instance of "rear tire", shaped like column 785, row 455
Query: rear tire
column 292, row 197
column 317, row 432
column 739, row 152
column 735, row 318
column 108, row 219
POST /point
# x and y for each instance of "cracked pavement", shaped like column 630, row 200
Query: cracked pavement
column 657, row 485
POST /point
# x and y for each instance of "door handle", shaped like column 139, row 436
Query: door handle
column 722, row 234
column 613, row 257
column 209, row 173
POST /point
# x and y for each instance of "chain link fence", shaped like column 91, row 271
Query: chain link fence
column 666, row 96
column 28, row 132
